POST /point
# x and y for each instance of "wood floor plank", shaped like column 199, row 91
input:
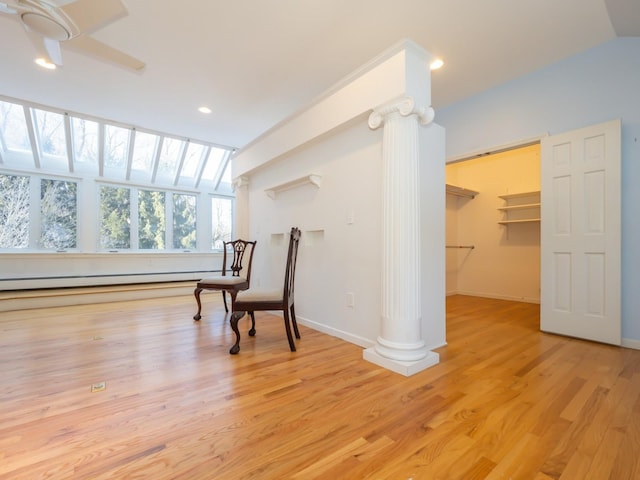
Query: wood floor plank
column 505, row 401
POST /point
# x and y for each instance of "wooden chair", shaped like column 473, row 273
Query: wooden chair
column 256, row 299
column 233, row 278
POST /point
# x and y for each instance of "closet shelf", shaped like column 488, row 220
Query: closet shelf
column 310, row 179
column 524, row 220
column 509, row 196
column 460, row 191
column 519, row 207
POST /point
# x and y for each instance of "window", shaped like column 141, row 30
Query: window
column 72, row 181
column 184, row 221
column 59, row 214
column 116, row 148
column 115, row 218
column 51, row 139
column 151, row 220
column 221, row 221
column 14, row 211
column 56, row 220
column 85, row 144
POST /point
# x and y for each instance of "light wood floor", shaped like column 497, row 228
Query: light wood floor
column 505, row 402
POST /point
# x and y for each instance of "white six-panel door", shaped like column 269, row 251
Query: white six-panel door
column 580, row 233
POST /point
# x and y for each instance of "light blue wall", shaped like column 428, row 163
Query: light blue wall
column 595, row 86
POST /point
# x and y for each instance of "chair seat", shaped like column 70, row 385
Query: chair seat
column 222, row 280
column 260, row 295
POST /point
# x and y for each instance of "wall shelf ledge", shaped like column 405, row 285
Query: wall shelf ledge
column 460, row 191
column 311, row 179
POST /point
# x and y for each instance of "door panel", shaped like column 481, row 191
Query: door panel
column 580, row 233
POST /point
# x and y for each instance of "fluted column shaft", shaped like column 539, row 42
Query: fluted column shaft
column 400, row 333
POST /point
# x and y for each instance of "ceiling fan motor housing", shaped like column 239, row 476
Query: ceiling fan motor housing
column 48, row 21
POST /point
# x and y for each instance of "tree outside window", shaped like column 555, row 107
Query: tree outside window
column 58, row 214
column 151, row 219
column 184, row 221
column 14, row 211
column 115, row 218
column 221, row 221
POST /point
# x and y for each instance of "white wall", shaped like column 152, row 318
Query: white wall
column 336, row 256
column 593, row 87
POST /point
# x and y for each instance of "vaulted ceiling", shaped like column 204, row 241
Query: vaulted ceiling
column 254, row 62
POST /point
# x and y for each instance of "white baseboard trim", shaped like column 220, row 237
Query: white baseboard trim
column 48, row 298
column 334, row 332
column 497, row 296
column 631, row 343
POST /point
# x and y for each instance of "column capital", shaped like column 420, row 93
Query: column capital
column 238, row 182
column 404, row 106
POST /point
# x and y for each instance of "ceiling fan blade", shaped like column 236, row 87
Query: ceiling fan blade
column 7, row 9
column 46, row 48
column 101, row 51
column 53, row 49
column 91, row 15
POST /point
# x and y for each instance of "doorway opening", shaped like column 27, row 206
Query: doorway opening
column 493, row 225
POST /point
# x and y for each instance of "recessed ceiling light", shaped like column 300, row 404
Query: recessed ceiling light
column 204, row 110
column 436, row 64
column 44, row 63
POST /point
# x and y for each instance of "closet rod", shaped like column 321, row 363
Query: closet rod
column 462, row 246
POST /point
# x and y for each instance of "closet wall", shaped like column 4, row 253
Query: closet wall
column 505, row 260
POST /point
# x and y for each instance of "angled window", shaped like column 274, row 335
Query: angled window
column 170, row 157
column 14, row 135
column 144, row 155
column 116, row 151
column 84, row 134
column 192, row 161
column 51, row 135
column 14, row 211
column 212, row 171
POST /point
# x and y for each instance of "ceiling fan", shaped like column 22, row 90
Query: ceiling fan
column 51, row 23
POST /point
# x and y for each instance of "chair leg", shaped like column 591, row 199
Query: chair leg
column 287, row 327
column 224, row 300
column 196, row 293
column 235, row 316
column 294, row 322
column 252, row 332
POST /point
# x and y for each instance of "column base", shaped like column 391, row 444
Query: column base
column 403, row 368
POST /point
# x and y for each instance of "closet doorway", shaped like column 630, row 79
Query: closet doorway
column 493, row 225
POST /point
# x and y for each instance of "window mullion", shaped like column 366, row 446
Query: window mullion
column 156, row 161
column 133, row 215
column 168, row 209
column 35, row 219
column 132, row 142
column 32, row 137
column 183, row 154
column 68, row 139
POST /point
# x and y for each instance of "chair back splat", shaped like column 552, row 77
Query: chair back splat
column 239, row 247
column 237, row 280
column 260, row 299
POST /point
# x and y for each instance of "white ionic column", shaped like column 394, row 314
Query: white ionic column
column 400, row 346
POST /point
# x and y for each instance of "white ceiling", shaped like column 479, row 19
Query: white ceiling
column 254, row 62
